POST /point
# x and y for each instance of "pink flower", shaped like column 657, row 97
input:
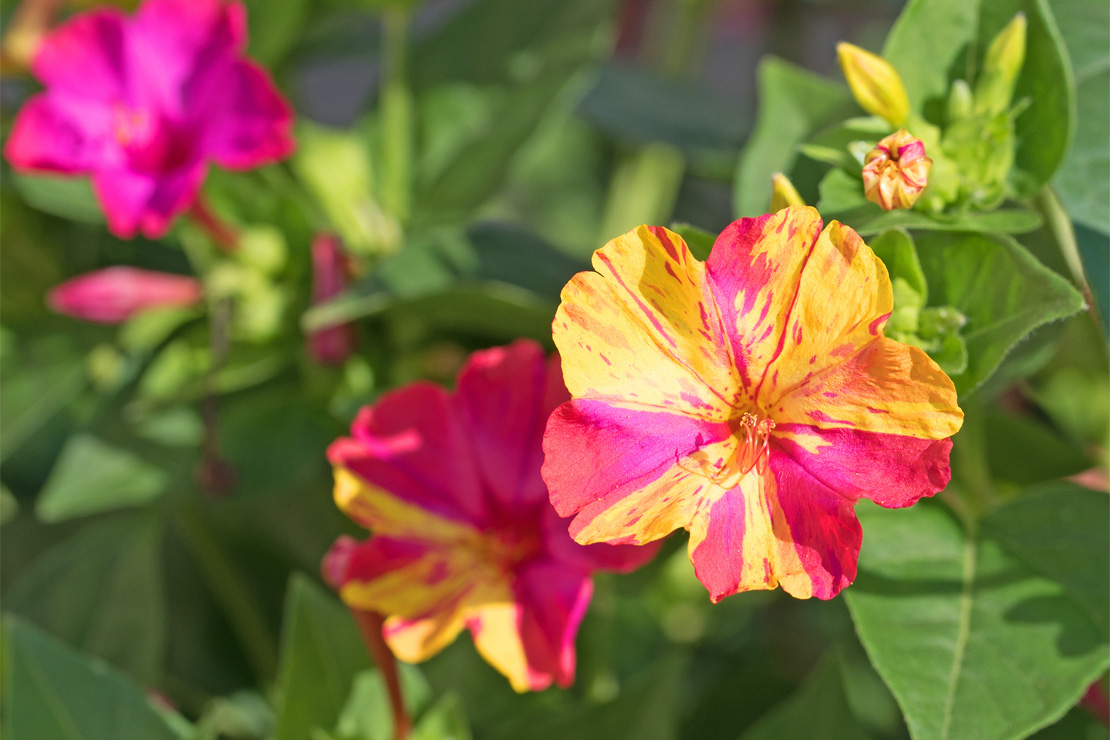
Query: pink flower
column 464, row 535
column 143, row 104
column 330, row 272
column 115, row 294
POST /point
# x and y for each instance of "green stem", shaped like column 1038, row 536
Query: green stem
column 396, row 114
column 246, row 619
column 1060, row 226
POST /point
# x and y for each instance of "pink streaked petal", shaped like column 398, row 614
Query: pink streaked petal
column 86, row 57
column 115, row 294
column 891, row 470
column 136, row 202
column 553, row 600
column 412, row 444
column 823, row 528
column 601, row 556
column 334, row 566
column 53, row 135
column 254, row 124
column 501, row 397
column 629, row 476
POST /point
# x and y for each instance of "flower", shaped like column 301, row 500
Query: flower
column 751, row 399
column 875, row 84
column 783, row 193
column 896, row 171
column 115, row 294
column 464, row 535
column 143, row 104
column 330, row 272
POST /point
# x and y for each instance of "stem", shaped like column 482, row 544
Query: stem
column 396, row 107
column 246, row 620
column 370, row 626
column 215, row 475
column 222, row 234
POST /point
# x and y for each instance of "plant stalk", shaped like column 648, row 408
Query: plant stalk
column 370, row 626
column 396, row 114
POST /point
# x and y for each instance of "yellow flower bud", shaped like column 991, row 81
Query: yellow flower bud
column 1001, row 67
column 876, row 85
column 783, row 193
column 896, row 171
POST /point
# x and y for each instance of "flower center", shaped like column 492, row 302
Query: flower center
column 508, row 547
column 132, row 126
column 754, row 436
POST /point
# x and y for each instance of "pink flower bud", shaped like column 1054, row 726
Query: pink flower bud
column 330, row 275
column 115, row 294
column 896, row 171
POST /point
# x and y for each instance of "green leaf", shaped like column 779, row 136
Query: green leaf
column 1083, row 181
column 444, row 721
column 897, row 251
column 698, row 240
column 992, row 636
column 9, row 507
column 928, row 45
column 274, row 28
column 1024, row 451
column 92, row 476
column 367, row 714
column 793, row 104
column 68, row 197
column 54, row 693
column 821, row 695
column 321, row 653
column 101, row 590
column 1004, row 292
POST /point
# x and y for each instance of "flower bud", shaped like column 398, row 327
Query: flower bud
column 330, row 274
column 1001, row 67
column 896, row 171
column 113, row 295
column 783, row 193
column 876, row 85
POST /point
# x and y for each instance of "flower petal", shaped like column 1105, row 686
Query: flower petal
column 754, row 270
column 135, row 202
column 504, row 396
column 891, row 470
column 553, row 600
column 885, row 387
column 254, row 124
column 629, row 476
column 643, row 332
column 601, row 556
column 59, row 134
column 496, row 630
column 412, row 444
column 86, row 56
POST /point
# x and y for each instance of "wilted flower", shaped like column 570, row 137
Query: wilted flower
column 896, row 171
column 330, row 273
column 751, row 399
column 144, row 103
column 783, row 193
column 875, row 84
column 115, row 294
column 464, row 535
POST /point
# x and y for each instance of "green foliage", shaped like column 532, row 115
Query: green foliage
column 937, row 608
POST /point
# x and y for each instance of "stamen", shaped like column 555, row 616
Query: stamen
column 754, row 446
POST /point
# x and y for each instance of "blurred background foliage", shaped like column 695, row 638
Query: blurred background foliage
column 526, row 135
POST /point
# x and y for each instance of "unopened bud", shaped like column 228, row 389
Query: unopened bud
column 331, row 272
column 960, row 102
column 876, row 85
column 783, row 193
column 1001, row 67
column 115, row 294
column 896, row 171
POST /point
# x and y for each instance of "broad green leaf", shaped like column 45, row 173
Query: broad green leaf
column 68, row 197
column 9, row 507
column 897, row 251
column 274, row 28
column 446, row 720
column 1024, row 451
column 822, row 695
column 92, row 476
column 991, row 636
column 102, row 591
column 1084, row 179
column 1004, row 292
column 929, row 46
column 243, row 714
column 54, row 693
column 321, row 653
column 367, row 714
column 793, row 104
column 698, row 240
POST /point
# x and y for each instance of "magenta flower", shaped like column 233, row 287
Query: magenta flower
column 464, row 535
column 143, row 104
column 115, row 294
column 330, row 273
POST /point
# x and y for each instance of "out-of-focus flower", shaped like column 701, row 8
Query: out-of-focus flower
column 143, row 104
column 464, row 535
column 115, row 294
column 330, row 273
column 875, row 84
column 896, row 171
column 1096, row 701
column 994, row 90
column 783, row 193
column 751, row 399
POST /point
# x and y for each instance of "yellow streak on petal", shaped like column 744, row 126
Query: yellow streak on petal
column 416, row 641
column 496, row 629
column 643, row 331
column 377, row 509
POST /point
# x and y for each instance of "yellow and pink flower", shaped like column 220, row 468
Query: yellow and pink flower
column 751, row 399
column 896, row 171
column 464, row 535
